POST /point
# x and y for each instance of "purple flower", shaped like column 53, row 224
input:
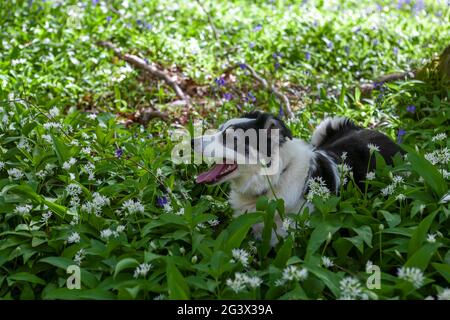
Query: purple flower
column 277, row 55
column 227, row 96
column 257, row 28
column 220, row 81
column 375, row 42
column 251, row 45
column 395, row 51
column 149, row 26
column 250, row 97
column 400, row 134
column 347, row 50
column 411, row 108
column 108, row 18
column 119, row 152
column 281, row 112
column 243, row 66
column 329, row 44
column 307, row 56
column 161, row 201
column 277, row 65
column 146, row 60
column 94, row 2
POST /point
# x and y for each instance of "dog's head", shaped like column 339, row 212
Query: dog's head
column 242, row 147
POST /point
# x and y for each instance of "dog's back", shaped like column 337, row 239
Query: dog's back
column 337, row 136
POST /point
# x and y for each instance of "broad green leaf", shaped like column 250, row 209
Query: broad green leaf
column 419, row 235
column 178, row 288
column 123, row 264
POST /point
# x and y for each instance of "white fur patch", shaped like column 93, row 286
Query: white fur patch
column 321, row 130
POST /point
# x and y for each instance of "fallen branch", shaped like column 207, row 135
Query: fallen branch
column 367, row 88
column 266, row 85
column 140, row 63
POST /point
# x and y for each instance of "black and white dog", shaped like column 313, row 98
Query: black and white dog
column 292, row 161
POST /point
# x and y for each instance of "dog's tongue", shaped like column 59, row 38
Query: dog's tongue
column 212, row 174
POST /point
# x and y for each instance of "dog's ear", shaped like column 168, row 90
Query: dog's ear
column 273, row 122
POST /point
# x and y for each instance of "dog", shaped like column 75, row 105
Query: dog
column 292, row 162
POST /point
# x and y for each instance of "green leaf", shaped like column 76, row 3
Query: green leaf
column 238, row 229
column 419, row 235
column 125, row 264
column 61, row 149
column 283, row 253
column 421, row 258
column 27, row 277
column 392, row 219
column 268, row 229
column 319, row 236
column 426, row 170
column 443, row 269
column 178, row 288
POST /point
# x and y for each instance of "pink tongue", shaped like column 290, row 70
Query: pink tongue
column 212, row 174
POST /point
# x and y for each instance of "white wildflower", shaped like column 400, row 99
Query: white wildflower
column 294, row 273
column 69, row 163
column 107, row 233
column 46, row 216
column 120, row 228
column 74, row 238
column 73, row 190
column 400, row 197
column 54, row 112
column 241, row 255
column 370, row 175
column 440, row 156
column 15, row 173
column 92, row 116
column 350, row 289
column 86, row 150
column 317, row 187
column 444, row 295
column 439, row 137
column 89, row 168
column 160, row 297
column 431, row 238
column 180, row 212
column 2, row 165
column 372, row 148
column 213, row 222
column 327, row 262
column 15, row 62
column 50, row 125
column 132, row 206
column 344, row 156
column 96, row 205
column 411, row 274
column 242, row 280
column 142, row 270
column 79, row 256
column 25, row 209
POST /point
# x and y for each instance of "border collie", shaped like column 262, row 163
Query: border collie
column 293, row 162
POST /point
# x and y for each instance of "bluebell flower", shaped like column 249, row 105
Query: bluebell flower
column 95, row 2
column 146, row 60
column 411, row 108
column 395, row 51
column 108, row 18
column 228, row 96
column 400, row 134
column 277, row 65
column 161, row 201
column 307, row 56
column 251, row 45
column 257, row 28
column 119, row 152
column 149, row 26
column 220, row 81
column 281, row 112
column 375, row 42
column 347, row 50
column 243, row 66
column 251, row 97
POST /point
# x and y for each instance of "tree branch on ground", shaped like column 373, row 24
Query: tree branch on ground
column 140, row 63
